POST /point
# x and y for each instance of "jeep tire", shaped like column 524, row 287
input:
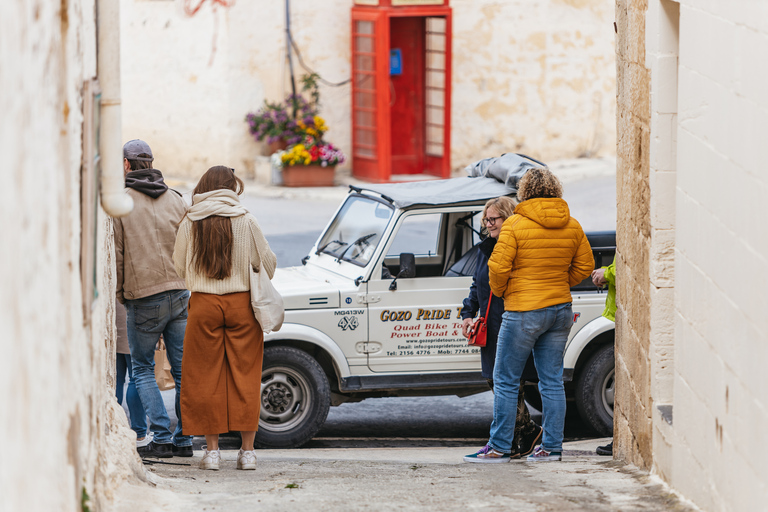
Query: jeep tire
column 295, row 398
column 595, row 390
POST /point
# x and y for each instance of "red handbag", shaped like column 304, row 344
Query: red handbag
column 480, row 330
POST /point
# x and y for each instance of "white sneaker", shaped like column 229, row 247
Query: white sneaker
column 210, row 459
column 246, row 459
column 147, row 439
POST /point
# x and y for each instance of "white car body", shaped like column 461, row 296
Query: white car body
column 369, row 340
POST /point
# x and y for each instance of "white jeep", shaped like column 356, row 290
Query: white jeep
column 374, row 312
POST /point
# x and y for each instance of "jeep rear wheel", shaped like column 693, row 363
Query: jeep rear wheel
column 295, row 398
column 595, row 391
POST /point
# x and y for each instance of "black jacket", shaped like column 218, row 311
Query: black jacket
column 477, row 301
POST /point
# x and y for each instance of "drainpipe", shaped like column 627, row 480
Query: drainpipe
column 114, row 200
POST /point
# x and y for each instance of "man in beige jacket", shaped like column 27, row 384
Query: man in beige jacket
column 155, row 297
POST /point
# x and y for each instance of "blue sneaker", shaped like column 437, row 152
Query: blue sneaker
column 487, row 455
column 541, row 455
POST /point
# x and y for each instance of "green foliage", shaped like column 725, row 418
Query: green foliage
column 85, row 501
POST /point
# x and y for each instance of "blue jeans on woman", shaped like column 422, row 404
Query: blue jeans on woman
column 135, row 409
column 163, row 313
column 545, row 332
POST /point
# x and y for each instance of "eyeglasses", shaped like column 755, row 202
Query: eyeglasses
column 491, row 220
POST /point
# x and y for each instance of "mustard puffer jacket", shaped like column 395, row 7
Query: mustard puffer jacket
column 541, row 252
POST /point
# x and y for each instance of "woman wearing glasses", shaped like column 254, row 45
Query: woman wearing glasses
column 496, row 211
column 541, row 252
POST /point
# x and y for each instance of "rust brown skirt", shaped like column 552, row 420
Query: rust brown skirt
column 221, row 366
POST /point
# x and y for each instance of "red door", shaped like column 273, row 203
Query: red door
column 406, row 96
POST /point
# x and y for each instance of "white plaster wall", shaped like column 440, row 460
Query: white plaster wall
column 721, row 266
column 531, row 76
column 662, row 51
column 61, row 428
column 189, row 101
column 537, row 77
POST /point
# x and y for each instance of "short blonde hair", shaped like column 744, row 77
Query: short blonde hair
column 539, row 182
column 504, row 205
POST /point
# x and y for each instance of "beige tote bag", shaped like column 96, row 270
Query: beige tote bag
column 267, row 304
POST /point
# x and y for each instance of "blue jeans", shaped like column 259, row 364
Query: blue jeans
column 545, row 332
column 163, row 313
column 135, row 409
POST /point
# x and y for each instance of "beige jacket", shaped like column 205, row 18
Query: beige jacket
column 144, row 241
column 248, row 246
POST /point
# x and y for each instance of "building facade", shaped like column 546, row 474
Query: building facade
column 692, row 335
column 537, row 77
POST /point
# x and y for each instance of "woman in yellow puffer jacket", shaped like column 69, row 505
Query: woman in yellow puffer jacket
column 541, row 252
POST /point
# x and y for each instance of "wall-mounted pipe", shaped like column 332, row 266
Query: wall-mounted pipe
column 114, row 200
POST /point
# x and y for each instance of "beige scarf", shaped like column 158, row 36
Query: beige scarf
column 222, row 202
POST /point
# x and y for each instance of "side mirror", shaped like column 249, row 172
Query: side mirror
column 407, row 268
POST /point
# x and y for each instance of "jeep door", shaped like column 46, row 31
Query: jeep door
column 416, row 327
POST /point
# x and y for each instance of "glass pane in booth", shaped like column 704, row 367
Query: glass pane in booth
column 364, row 62
column 364, row 27
column 435, row 60
column 435, row 85
column 435, row 115
column 366, row 137
column 436, row 97
column 364, row 100
column 364, row 44
column 364, row 82
column 435, row 79
column 436, row 25
column 365, row 118
column 435, row 134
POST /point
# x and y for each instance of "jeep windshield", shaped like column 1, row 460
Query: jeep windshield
column 356, row 231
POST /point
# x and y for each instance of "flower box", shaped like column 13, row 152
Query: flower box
column 312, row 175
column 277, row 145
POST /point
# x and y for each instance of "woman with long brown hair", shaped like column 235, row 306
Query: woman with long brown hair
column 217, row 242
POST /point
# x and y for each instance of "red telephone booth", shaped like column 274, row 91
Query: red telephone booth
column 401, row 88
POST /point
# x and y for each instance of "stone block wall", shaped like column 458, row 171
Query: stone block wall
column 633, row 405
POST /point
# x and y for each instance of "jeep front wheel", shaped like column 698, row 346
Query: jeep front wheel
column 595, row 391
column 295, row 398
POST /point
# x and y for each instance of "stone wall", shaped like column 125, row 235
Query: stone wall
column 534, row 77
column 66, row 442
column 632, row 409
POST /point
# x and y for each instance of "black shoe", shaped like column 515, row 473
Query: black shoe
column 153, row 449
column 182, row 451
column 529, row 439
column 605, row 450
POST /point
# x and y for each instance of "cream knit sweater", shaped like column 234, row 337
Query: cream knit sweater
column 244, row 250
